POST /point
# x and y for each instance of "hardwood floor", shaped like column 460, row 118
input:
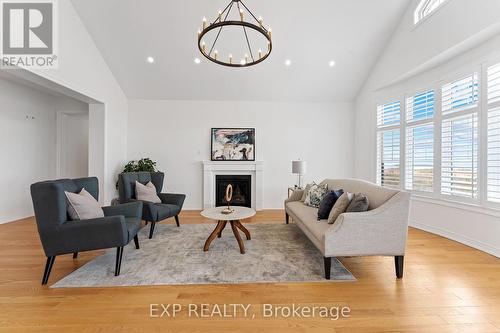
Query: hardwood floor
column 447, row 287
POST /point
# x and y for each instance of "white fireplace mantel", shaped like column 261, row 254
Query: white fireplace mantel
column 214, row 168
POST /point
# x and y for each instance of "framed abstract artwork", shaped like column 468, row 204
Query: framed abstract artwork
column 233, row 144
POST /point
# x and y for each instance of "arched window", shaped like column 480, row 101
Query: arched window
column 426, row 7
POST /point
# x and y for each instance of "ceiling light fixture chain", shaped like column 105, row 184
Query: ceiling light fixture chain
column 222, row 21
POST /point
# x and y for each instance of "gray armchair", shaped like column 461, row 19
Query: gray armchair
column 59, row 235
column 170, row 206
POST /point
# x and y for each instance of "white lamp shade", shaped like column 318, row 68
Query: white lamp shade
column 299, row 167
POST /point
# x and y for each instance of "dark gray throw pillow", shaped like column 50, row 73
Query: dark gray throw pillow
column 327, row 203
column 359, row 203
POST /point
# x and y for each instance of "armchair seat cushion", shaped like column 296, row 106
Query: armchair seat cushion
column 158, row 211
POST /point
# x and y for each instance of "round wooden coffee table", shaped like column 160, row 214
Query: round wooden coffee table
column 234, row 218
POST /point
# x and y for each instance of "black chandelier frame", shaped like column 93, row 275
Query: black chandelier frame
column 220, row 23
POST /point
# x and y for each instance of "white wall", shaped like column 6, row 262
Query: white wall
column 82, row 69
column 73, row 144
column 177, row 135
column 27, row 146
column 460, row 35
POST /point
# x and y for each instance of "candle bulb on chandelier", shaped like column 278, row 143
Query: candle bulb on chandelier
column 260, row 53
column 270, row 32
column 203, row 45
column 230, row 58
column 261, row 20
column 220, row 16
column 241, row 14
column 243, row 62
column 246, row 58
column 199, row 32
column 204, row 23
column 216, row 53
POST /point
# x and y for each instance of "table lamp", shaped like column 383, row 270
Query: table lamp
column 299, row 168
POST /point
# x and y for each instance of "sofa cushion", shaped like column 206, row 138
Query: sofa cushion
column 340, row 207
column 327, row 203
column 83, row 206
column 306, row 189
column 315, row 195
column 307, row 216
column 359, row 203
column 146, row 192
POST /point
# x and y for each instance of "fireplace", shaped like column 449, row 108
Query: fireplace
column 242, row 190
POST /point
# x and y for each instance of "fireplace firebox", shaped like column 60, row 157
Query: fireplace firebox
column 242, row 190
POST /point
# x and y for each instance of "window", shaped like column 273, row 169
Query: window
column 459, row 156
column 389, row 114
column 426, row 7
column 459, row 138
column 460, row 94
column 493, row 141
column 420, row 142
column 388, row 144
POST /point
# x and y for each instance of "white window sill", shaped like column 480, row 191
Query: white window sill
column 458, row 205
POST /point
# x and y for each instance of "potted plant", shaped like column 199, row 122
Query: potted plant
column 144, row 164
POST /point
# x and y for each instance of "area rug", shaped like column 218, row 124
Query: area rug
column 276, row 253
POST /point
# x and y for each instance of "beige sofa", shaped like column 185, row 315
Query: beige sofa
column 380, row 231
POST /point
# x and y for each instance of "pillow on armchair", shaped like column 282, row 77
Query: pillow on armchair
column 83, row 206
column 146, row 192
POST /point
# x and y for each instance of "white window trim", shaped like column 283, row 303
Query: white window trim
column 425, row 18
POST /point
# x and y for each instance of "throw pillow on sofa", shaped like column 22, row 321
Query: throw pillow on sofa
column 359, row 203
column 146, row 192
column 83, row 206
column 327, row 203
column 340, row 207
column 306, row 189
column 315, row 195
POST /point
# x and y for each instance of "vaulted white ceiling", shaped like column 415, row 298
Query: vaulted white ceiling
column 309, row 33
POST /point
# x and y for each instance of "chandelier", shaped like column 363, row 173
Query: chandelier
column 223, row 20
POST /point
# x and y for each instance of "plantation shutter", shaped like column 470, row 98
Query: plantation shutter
column 420, row 142
column 459, row 156
column 420, row 157
column 420, row 106
column 389, row 114
column 388, row 170
column 493, row 143
column 459, row 137
column 460, row 94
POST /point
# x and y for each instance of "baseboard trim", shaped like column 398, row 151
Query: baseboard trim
column 490, row 249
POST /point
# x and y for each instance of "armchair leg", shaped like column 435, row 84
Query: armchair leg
column 399, row 263
column 136, row 241
column 177, row 220
column 152, row 230
column 75, row 255
column 287, row 217
column 328, row 267
column 48, row 268
column 119, row 254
